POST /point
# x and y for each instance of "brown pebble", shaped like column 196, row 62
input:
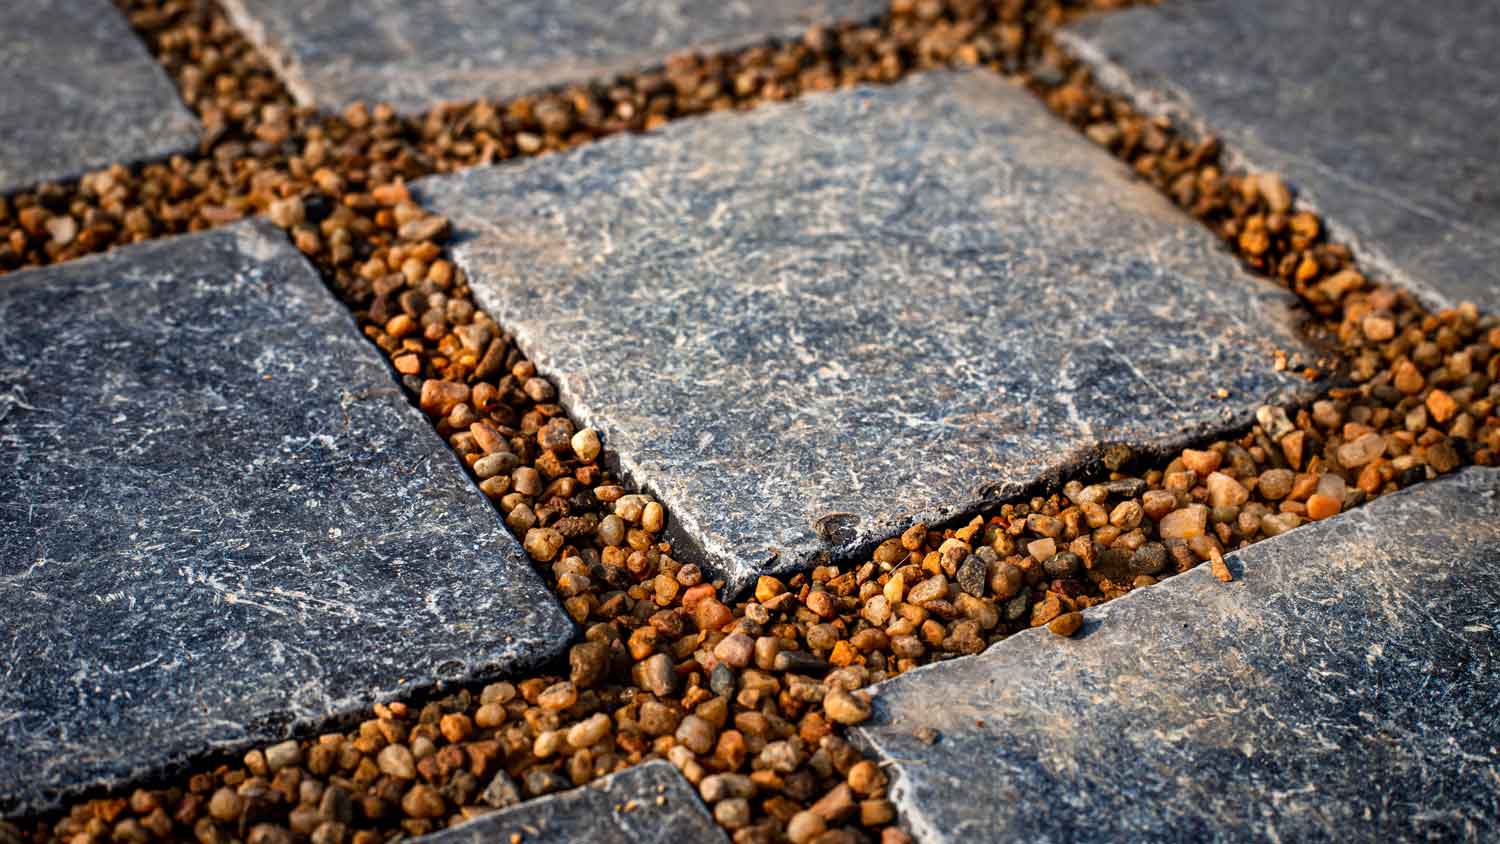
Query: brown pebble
column 1066, row 624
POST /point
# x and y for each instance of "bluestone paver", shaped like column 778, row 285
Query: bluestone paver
column 807, row 327
column 1382, row 112
column 220, row 522
column 80, row 92
column 414, row 55
column 646, row 804
column 1343, row 688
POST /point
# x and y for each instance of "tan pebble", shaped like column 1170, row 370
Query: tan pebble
column 590, row 731
column 1201, row 462
column 844, row 707
column 865, row 777
column 1323, row 506
column 226, row 805
column 586, row 444
column 1378, row 326
column 1217, row 565
column 286, row 213
column 558, row 696
column 423, row 801
column 1041, row 549
column 1362, row 450
column 396, row 760
column 1186, row 523
column 1224, row 491
column 1066, row 624
column 1441, row 406
column 653, row 517
column 804, row 827
column 543, row 543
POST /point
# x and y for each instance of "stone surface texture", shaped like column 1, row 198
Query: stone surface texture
column 80, row 92
column 807, row 327
column 1343, row 688
column 1381, row 112
column 647, row 804
column 220, row 522
column 415, row 55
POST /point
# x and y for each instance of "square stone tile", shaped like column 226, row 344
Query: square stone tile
column 80, row 92
column 220, row 521
column 1342, row 688
column 415, row 55
column 1381, row 112
column 807, row 327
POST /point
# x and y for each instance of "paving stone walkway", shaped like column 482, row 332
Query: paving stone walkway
column 1370, row 109
column 829, row 320
column 81, row 93
column 803, row 329
column 1342, row 689
column 220, row 521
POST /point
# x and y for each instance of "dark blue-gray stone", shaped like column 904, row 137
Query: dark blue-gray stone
column 414, row 55
column 647, row 804
column 1382, row 113
column 806, row 327
column 220, row 522
column 79, row 91
column 1343, row 688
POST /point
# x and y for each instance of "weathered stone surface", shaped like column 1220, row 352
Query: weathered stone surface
column 806, row 327
column 1382, row 112
column 219, row 520
column 647, row 804
column 1343, row 688
column 414, row 55
column 80, row 92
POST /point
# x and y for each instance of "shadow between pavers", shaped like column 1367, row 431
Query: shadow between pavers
column 1342, row 688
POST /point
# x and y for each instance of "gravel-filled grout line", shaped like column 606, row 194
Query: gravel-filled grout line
column 747, row 698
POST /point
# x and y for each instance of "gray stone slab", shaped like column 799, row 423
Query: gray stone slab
column 1343, row 688
column 1382, row 112
column 647, row 804
column 806, row 327
column 414, row 55
column 80, row 92
column 219, row 520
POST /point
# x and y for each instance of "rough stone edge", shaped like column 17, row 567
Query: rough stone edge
column 181, row 131
column 290, row 70
column 285, row 64
column 477, row 830
column 922, row 827
column 261, row 241
column 1166, row 99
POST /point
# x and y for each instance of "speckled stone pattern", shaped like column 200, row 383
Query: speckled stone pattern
column 807, row 327
column 647, row 804
column 220, row 521
column 1343, row 688
column 78, row 91
column 1382, row 112
column 415, row 55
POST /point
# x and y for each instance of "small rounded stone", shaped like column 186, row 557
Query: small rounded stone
column 1066, row 624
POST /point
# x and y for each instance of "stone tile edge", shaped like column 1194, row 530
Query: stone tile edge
column 1164, row 99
